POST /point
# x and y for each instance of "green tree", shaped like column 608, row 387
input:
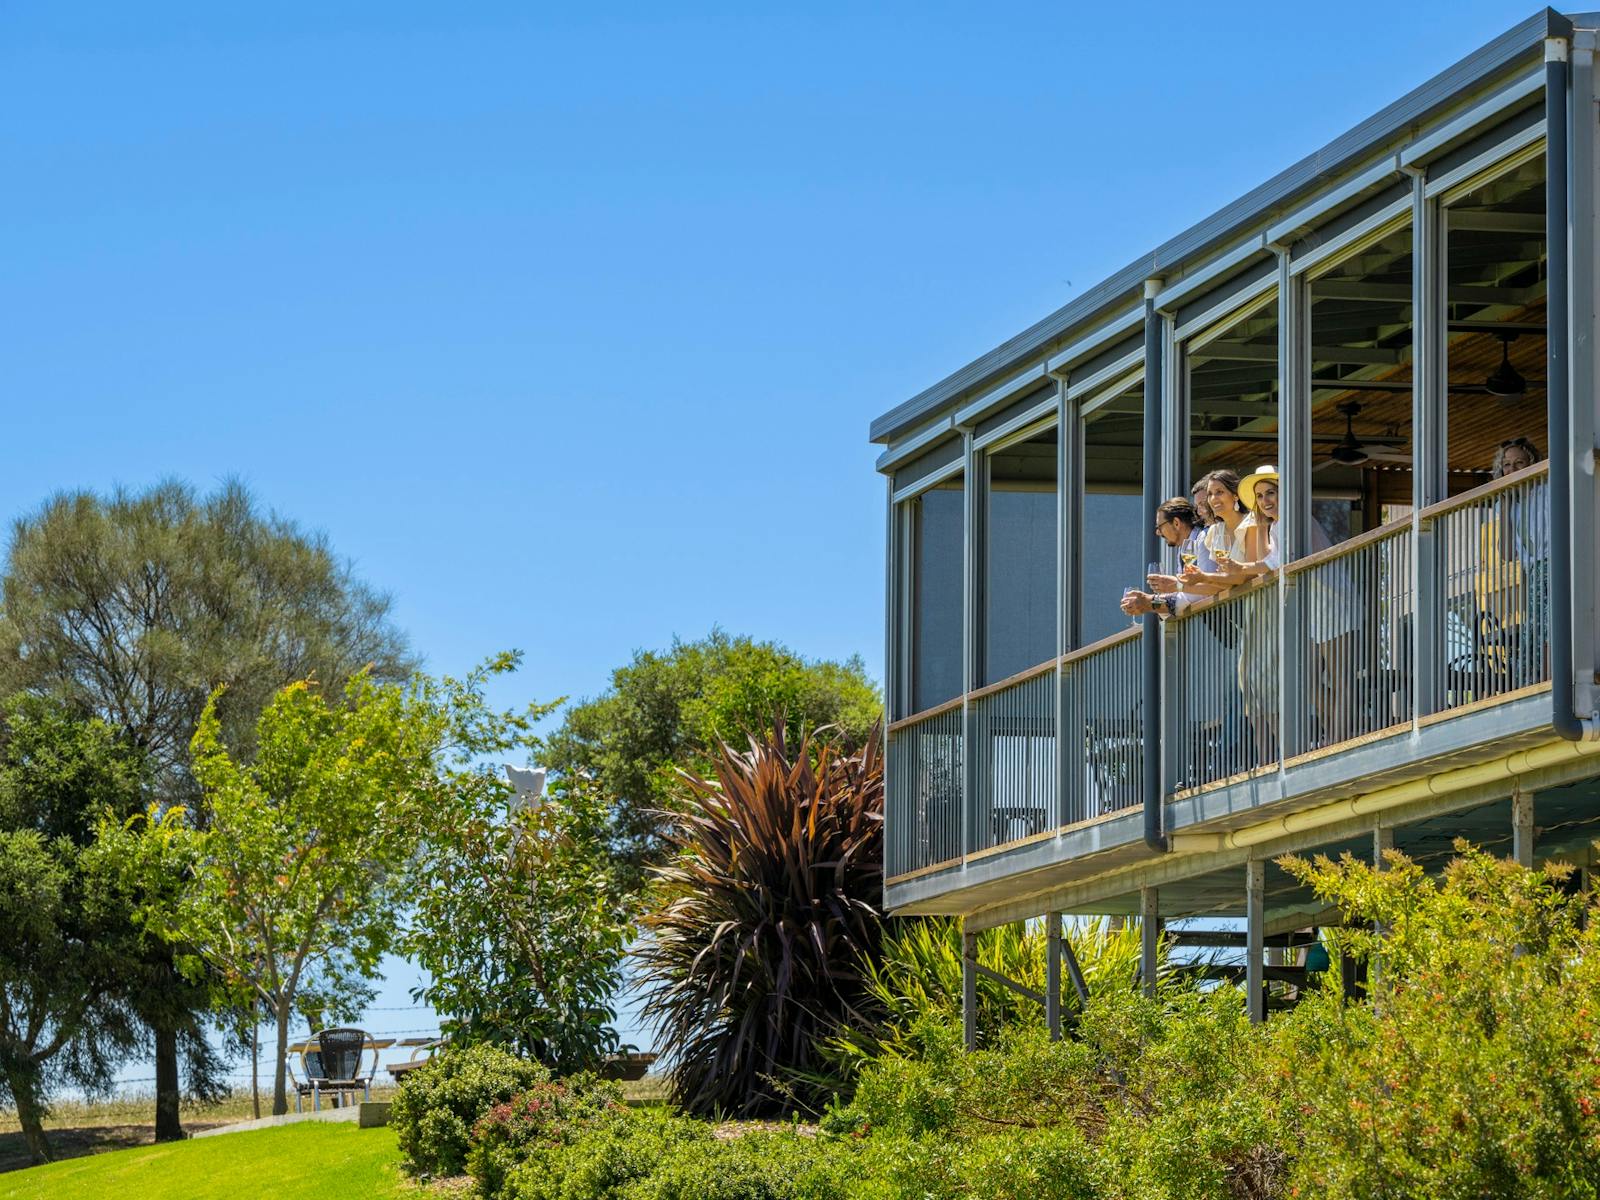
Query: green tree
column 518, row 924
column 134, row 607
column 298, row 870
column 668, row 712
column 66, row 943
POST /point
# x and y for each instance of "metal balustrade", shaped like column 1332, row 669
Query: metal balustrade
column 1224, row 681
column 1103, row 688
column 1351, row 614
column 1015, row 750
column 1336, row 633
column 1492, row 607
column 925, row 782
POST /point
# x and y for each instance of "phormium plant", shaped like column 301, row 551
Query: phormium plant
column 768, row 912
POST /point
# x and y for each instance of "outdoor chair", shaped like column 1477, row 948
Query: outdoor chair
column 334, row 1066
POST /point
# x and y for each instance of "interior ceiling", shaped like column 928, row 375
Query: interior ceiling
column 1361, row 348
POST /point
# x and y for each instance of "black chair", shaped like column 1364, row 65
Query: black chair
column 332, row 1062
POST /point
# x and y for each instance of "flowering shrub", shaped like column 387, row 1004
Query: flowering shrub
column 435, row 1110
column 546, row 1115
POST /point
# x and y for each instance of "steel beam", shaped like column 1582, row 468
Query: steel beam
column 1255, row 918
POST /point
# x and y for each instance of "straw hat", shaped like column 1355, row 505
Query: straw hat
column 1265, row 473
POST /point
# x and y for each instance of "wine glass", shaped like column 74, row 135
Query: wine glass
column 1136, row 618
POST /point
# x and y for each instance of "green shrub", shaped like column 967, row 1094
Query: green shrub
column 436, row 1108
column 1024, row 1080
column 1018, row 1164
column 757, row 1166
column 604, row 1160
column 546, row 1115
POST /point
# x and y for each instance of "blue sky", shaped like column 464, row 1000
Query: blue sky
column 566, row 323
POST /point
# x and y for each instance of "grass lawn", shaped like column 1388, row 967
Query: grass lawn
column 310, row 1161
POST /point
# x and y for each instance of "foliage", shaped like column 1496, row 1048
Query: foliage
column 546, row 1116
column 608, row 1157
column 133, row 607
column 757, row 1166
column 517, row 924
column 666, row 712
column 1476, row 1068
column 298, row 872
column 67, row 947
column 753, row 958
column 437, row 1107
column 916, row 981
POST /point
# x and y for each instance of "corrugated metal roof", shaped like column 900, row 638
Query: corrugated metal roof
column 1262, row 203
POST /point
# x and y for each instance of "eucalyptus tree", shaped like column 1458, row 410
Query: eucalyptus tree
column 134, row 606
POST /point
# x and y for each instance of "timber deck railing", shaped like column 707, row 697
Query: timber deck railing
column 1444, row 611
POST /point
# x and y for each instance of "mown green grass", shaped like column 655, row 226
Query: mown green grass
column 310, row 1161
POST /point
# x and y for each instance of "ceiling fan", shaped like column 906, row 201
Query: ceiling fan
column 1351, row 451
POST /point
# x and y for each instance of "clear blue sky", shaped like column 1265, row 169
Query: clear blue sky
column 566, row 323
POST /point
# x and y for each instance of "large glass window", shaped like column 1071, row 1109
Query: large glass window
column 936, row 564
column 1114, row 521
column 1497, row 349
column 1020, row 567
column 1232, row 379
column 1361, row 384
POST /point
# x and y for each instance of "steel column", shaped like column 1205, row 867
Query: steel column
column 969, row 989
column 1382, row 843
column 1294, row 473
column 1255, row 927
column 972, row 540
column 1149, row 938
column 1429, row 420
column 1150, row 643
column 1052, row 975
column 1522, row 828
column 1583, row 188
column 1069, row 521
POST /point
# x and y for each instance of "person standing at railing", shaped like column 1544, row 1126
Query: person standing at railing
column 1331, row 616
column 1514, row 580
column 1177, row 524
column 1202, row 509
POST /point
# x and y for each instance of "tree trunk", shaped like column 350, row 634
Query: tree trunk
column 280, row 1099
column 255, row 1057
column 169, row 1128
column 30, row 1115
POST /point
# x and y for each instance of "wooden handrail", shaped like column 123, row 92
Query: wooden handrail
column 1044, row 668
column 1484, row 490
column 1233, row 593
column 927, row 714
column 1105, row 643
column 1010, row 681
column 1348, row 546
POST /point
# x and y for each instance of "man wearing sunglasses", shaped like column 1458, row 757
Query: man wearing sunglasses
column 1177, row 526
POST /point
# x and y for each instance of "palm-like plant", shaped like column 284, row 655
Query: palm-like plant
column 917, row 975
column 768, row 912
